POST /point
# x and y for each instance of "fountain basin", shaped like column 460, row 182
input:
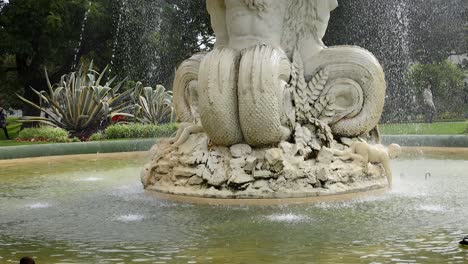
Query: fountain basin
column 92, row 209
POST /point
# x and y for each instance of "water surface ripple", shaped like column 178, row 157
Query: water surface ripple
column 97, row 212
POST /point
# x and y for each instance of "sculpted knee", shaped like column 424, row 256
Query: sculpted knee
column 263, row 73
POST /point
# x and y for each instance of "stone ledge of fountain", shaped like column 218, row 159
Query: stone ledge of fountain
column 438, row 143
column 305, row 199
column 445, row 141
column 59, row 149
column 141, row 155
column 198, row 169
column 357, row 187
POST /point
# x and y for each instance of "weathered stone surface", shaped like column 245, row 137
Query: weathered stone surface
column 237, row 163
column 215, row 179
column 195, row 180
column 339, row 165
column 250, row 163
column 336, row 176
column 288, row 148
column 278, row 167
column 292, row 173
column 240, row 150
column 200, row 169
column 325, row 156
column 338, row 146
column 197, row 157
column 262, row 174
column 265, row 166
column 281, row 179
column 189, row 160
column 323, row 174
column 311, row 179
column 260, row 184
column 307, row 164
column 259, row 165
column 347, row 141
column 181, row 182
column 273, row 156
column 302, row 137
column 336, row 187
column 240, row 177
column 184, row 171
column 163, row 167
column 194, row 143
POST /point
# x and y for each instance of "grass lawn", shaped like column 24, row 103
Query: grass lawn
column 13, row 128
column 441, row 128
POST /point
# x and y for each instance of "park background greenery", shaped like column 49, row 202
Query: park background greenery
column 144, row 41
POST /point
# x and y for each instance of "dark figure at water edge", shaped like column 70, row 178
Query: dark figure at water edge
column 464, row 242
column 3, row 120
column 27, row 260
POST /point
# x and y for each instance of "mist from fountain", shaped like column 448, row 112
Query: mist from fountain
column 83, row 26
column 399, row 34
column 135, row 50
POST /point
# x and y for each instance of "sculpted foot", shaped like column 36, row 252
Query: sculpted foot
column 182, row 136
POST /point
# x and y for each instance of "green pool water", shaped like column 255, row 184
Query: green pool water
column 95, row 211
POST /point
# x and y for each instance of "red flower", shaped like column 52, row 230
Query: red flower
column 118, row 118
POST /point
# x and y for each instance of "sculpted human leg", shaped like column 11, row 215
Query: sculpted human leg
column 217, row 94
column 183, row 134
column 263, row 74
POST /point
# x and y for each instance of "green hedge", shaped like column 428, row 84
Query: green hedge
column 136, row 131
column 44, row 134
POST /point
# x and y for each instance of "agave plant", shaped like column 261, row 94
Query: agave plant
column 79, row 103
column 152, row 106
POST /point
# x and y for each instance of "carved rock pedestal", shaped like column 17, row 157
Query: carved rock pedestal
column 239, row 171
column 271, row 112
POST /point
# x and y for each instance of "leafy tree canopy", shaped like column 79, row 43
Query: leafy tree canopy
column 45, row 33
column 155, row 36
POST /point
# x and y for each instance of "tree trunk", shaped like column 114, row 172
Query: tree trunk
column 30, row 73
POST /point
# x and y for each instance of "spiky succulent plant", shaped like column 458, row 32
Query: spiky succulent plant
column 152, row 106
column 80, row 103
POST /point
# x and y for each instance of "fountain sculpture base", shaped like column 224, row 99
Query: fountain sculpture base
column 197, row 169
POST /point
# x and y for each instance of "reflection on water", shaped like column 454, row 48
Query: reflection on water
column 97, row 212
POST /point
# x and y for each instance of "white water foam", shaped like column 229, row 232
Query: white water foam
column 129, row 218
column 431, row 208
column 288, row 218
column 38, row 205
column 90, row 179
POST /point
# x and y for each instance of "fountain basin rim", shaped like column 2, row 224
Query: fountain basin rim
column 144, row 154
column 435, row 150
column 459, row 142
column 72, row 158
column 76, row 148
column 337, row 197
column 441, row 141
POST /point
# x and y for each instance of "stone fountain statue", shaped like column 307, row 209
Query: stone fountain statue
column 271, row 111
